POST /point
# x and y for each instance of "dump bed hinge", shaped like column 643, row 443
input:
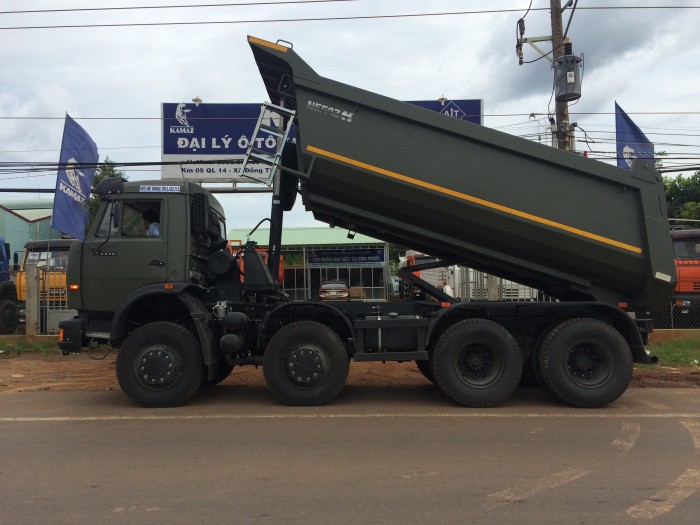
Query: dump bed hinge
column 269, row 125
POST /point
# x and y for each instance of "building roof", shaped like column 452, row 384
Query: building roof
column 39, row 204
column 29, row 210
column 304, row 237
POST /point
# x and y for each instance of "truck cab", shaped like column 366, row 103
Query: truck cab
column 51, row 258
column 122, row 268
column 686, row 297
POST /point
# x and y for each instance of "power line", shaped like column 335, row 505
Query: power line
column 286, row 2
column 319, row 19
column 188, row 6
column 491, row 115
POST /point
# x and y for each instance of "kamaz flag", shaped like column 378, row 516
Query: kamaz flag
column 631, row 142
column 76, row 170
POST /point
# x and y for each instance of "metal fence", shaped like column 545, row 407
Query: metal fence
column 473, row 285
column 9, row 315
column 676, row 315
column 39, row 309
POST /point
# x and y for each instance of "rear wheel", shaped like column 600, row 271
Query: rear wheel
column 160, row 365
column 477, row 363
column 585, row 363
column 306, row 364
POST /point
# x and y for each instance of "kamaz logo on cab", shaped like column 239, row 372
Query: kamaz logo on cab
column 328, row 110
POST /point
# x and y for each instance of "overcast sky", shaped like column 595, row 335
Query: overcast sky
column 112, row 80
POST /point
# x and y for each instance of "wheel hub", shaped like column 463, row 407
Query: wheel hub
column 306, row 365
column 583, row 361
column 476, row 362
column 158, row 366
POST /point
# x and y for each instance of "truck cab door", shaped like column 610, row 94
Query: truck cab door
column 120, row 256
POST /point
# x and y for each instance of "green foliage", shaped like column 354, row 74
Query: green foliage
column 107, row 169
column 394, row 252
column 678, row 353
column 691, row 210
column 683, row 196
column 15, row 346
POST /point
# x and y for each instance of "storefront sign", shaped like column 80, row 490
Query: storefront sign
column 364, row 257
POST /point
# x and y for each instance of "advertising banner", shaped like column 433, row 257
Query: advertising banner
column 77, row 164
column 207, row 142
column 632, row 143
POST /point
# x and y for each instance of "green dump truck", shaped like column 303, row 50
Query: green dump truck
column 182, row 312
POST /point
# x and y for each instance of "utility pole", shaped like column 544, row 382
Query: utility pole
column 566, row 67
column 562, row 108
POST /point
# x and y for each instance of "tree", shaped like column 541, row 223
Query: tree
column 106, row 169
column 395, row 251
column 683, row 196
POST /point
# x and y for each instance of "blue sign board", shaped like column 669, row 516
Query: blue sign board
column 207, row 142
column 208, row 129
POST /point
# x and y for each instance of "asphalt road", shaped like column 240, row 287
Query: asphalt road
column 375, row 455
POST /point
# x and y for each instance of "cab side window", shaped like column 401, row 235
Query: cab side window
column 131, row 219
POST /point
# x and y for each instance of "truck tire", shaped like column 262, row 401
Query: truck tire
column 477, row 363
column 585, row 363
column 160, row 365
column 426, row 369
column 8, row 317
column 306, row 364
column 533, row 373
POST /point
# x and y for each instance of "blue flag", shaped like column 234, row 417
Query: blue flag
column 76, row 170
column 631, row 142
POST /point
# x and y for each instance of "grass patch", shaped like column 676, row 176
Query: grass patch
column 13, row 347
column 677, row 353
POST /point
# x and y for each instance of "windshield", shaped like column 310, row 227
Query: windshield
column 56, row 260
column 687, row 249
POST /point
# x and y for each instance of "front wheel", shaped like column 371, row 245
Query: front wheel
column 160, row 365
column 586, row 363
column 477, row 363
column 306, row 364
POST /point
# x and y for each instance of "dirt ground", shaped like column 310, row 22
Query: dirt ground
column 85, row 372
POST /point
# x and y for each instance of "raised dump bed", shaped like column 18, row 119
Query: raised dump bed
column 571, row 226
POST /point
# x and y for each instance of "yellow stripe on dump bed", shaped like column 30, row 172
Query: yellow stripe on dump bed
column 265, row 43
column 476, row 200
